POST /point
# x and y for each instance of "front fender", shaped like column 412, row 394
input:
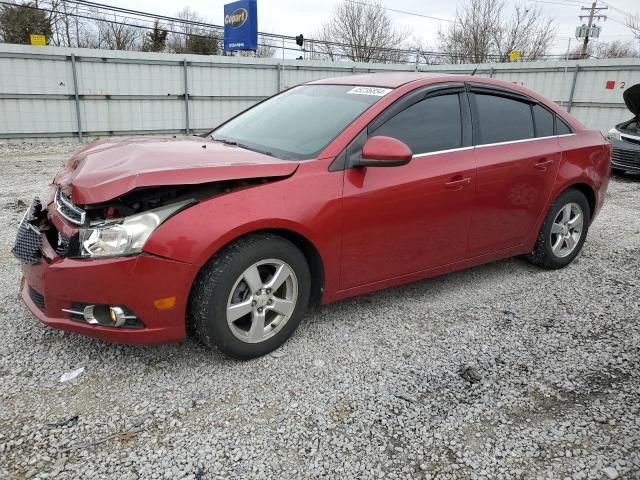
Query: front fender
column 308, row 204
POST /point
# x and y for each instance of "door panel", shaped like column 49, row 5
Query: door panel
column 400, row 220
column 512, row 187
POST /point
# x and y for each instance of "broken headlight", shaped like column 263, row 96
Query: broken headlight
column 125, row 236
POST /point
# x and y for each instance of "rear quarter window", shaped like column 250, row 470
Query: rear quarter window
column 561, row 127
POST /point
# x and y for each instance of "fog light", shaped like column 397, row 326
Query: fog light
column 89, row 316
column 103, row 315
column 117, row 316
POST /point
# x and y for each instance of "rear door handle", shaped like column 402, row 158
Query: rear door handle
column 457, row 182
column 543, row 164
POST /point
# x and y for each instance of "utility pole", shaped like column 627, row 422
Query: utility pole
column 592, row 14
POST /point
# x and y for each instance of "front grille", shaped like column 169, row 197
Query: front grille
column 37, row 298
column 63, row 245
column 630, row 139
column 69, row 211
column 626, row 158
column 28, row 241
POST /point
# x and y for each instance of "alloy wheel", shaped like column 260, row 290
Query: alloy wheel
column 566, row 230
column 262, row 300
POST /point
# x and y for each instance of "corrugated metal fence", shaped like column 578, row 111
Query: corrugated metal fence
column 62, row 93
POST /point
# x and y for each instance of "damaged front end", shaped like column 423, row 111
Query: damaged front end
column 625, row 137
column 118, row 227
column 28, row 239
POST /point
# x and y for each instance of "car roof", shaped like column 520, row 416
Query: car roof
column 382, row 79
column 398, row 79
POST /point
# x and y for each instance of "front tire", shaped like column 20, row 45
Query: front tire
column 563, row 232
column 250, row 298
column 618, row 172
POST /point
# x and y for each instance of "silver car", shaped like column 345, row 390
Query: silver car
column 625, row 137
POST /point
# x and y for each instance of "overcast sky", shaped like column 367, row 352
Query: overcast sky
column 292, row 17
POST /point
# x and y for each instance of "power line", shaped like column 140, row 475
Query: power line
column 618, row 9
column 406, row 13
column 617, row 21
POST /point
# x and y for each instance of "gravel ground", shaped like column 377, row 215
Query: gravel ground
column 501, row 371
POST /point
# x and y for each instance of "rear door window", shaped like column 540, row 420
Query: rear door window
column 500, row 119
column 428, row 126
column 543, row 119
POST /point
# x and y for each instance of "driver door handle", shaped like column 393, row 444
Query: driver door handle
column 457, row 183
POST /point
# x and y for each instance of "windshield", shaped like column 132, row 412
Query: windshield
column 299, row 123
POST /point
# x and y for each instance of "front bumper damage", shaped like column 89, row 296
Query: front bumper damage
column 53, row 287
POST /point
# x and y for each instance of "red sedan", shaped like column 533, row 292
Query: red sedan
column 330, row 189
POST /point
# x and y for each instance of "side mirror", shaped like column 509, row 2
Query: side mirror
column 383, row 151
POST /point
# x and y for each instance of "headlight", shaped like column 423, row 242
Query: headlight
column 613, row 134
column 126, row 236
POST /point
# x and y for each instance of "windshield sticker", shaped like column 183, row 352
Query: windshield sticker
column 377, row 91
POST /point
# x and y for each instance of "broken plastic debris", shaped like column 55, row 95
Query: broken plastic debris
column 71, row 375
column 65, row 422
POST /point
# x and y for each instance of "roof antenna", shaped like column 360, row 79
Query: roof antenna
column 475, row 70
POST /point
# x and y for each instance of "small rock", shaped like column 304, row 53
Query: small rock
column 610, row 472
column 469, row 374
column 318, row 363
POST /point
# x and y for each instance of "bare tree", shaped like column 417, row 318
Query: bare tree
column 633, row 22
column 361, row 31
column 615, row 49
column 526, row 30
column 470, row 38
column 68, row 28
column 483, row 32
column 266, row 49
column 115, row 34
column 192, row 38
column 426, row 53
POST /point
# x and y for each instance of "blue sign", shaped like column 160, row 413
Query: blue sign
column 241, row 25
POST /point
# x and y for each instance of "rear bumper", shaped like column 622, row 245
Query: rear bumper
column 134, row 282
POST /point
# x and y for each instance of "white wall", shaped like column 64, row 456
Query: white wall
column 135, row 92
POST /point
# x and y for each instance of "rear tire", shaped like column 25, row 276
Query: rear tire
column 249, row 299
column 618, row 172
column 563, row 232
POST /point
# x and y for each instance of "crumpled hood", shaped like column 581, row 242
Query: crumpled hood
column 631, row 98
column 106, row 169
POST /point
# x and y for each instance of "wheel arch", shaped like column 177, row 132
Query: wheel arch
column 302, row 242
column 588, row 191
column 314, row 260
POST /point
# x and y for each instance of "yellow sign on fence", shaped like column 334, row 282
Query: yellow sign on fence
column 515, row 55
column 39, row 40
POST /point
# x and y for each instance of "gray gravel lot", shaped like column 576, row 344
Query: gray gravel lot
column 372, row 387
